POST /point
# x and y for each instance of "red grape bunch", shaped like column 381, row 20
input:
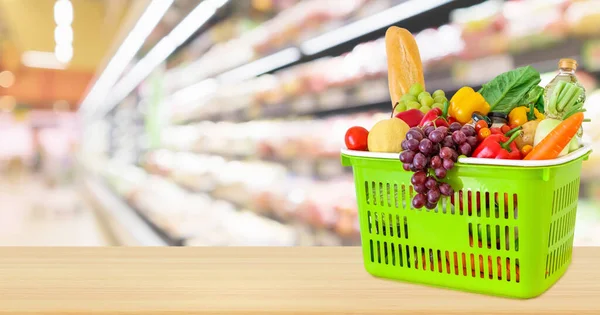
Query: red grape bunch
column 431, row 152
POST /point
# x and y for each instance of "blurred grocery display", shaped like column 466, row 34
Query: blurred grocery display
column 234, row 139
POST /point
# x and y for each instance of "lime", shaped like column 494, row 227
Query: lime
column 413, row 105
column 416, row 89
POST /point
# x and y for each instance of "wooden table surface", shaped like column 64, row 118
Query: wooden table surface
column 316, row 280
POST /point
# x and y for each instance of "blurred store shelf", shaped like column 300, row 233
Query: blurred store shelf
column 129, row 228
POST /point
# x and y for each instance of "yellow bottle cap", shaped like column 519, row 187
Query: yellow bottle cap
column 567, row 63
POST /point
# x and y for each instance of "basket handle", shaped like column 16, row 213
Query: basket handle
column 345, row 160
column 587, row 155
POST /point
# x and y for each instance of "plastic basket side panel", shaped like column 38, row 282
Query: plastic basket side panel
column 503, row 218
column 561, row 227
column 382, row 193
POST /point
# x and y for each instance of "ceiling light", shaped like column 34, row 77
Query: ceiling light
column 63, row 12
column 41, row 59
column 193, row 21
column 7, row 79
column 370, row 24
column 125, row 53
column 63, row 34
column 63, row 52
column 194, row 92
column 261, row 66
column 186, row 28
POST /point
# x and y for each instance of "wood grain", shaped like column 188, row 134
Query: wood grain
column 316, row 280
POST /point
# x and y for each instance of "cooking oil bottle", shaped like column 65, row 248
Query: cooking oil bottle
column 566, row 72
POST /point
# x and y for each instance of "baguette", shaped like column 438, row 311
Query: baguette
column 404, row 62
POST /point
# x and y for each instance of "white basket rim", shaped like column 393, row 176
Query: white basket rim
column 478, row 161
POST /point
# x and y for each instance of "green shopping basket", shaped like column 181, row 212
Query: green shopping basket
column 507, row 231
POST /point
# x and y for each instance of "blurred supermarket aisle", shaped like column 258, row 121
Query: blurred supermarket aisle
column 56, row 216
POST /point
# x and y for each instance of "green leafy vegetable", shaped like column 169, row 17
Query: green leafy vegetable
column 534, row 95
column 511, row 89
column 540, row 105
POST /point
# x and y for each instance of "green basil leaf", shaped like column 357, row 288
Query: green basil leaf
column 510, row 89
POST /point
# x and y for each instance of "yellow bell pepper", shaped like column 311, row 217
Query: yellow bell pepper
column 522, row 114
column 465, row 102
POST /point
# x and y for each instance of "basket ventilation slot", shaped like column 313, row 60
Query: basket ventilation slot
column 452, row 263
column 565, row 196
column 562, row 227
column 480, row 204
column 386, row 194
column 484, row 204
column 490, row 236
column 388, row 224
column 560, row 235
column 559, row 256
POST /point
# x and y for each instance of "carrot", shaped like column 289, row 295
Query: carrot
column 551, row 146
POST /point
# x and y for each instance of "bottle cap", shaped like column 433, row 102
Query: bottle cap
column 567, row 63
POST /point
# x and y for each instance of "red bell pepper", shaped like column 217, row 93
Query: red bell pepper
column 498, row 146
column 434, row 117
column 411, row 117
column 496, row 131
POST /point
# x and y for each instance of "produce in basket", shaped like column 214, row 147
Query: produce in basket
column 510, row 89
column 430, row 133
column 404, row 62
column 527, row 136
column 431, row 152
column 465, row 103
column 523, row 114
column 356, row 138
column 499, row 146
column 411, row 117
column 564, row 102
column 386, row 135
column 419, row 99
column 559, row 138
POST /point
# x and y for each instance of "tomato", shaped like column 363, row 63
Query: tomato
column 526, row 149
column 505, row 128
column 483, row 133
column 356, row 138
column 480, row 125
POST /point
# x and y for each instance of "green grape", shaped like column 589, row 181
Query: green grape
column 427, row 101
column 413, row 105
column 400, row 107
column 440, row 99
column 416, row 89
column 438, row 105
column 408, row 98
column 438, row 93
column 423, row 95
column 425, row 109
